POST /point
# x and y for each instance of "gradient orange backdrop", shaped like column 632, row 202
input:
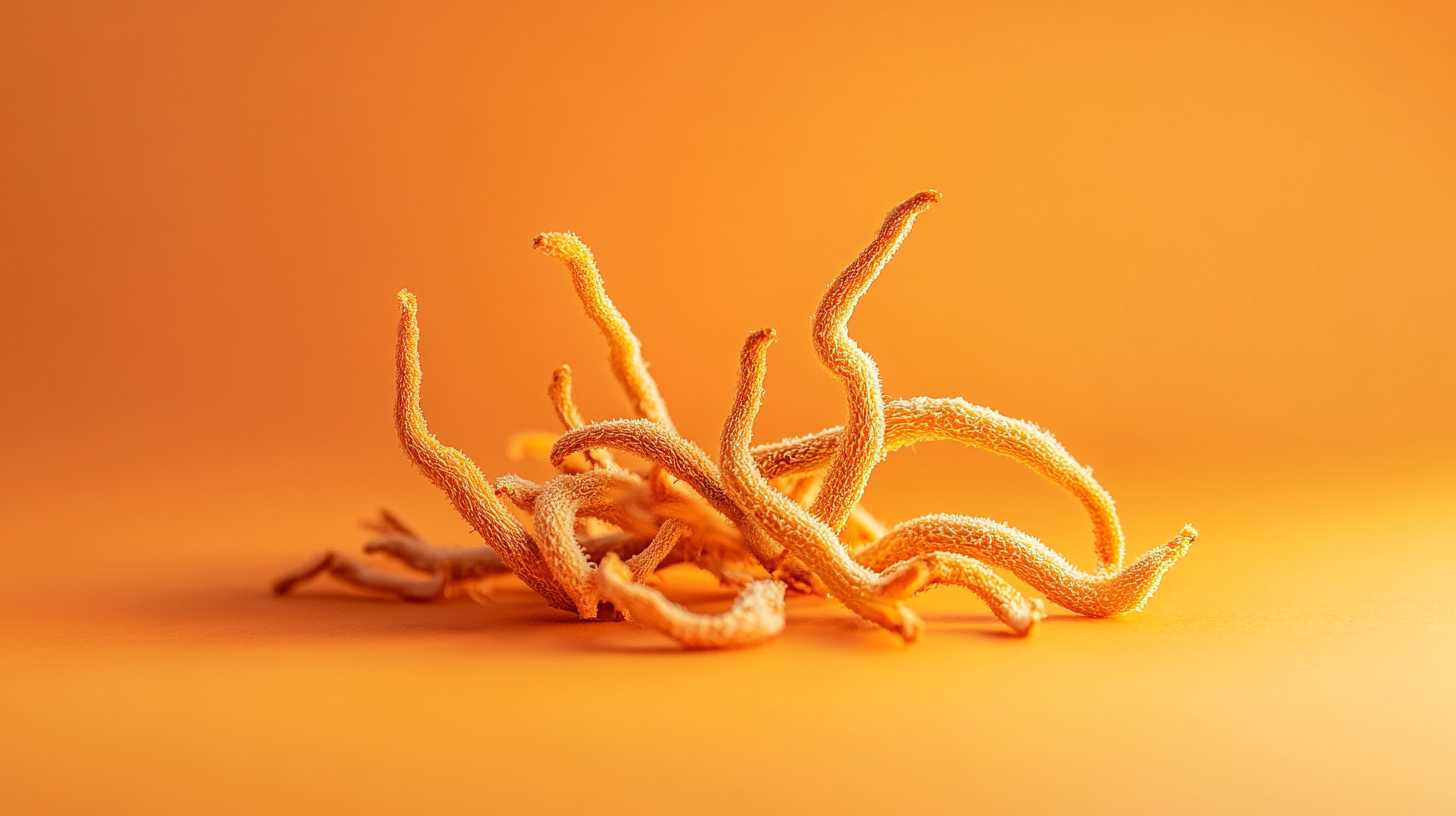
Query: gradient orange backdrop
column 1212, row 247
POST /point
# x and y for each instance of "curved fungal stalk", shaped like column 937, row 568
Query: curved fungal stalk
column 566, row 411
column 1008, row 605
column 925, row 419
column 757, row 614
column 861, row 443
column 624, row 500
column 646, row 562
column 612, row 496
column 455, row 473
column 1098, row 596
column 867, row 593
column 665, row 448
column 622, row 345
column 556, row 509
column 658, row 444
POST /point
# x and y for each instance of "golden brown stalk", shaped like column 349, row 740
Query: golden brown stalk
column 756, row 616
column 1009, row 606
column 924, row 419
column 622, row 346
column 711, row 542
column 1101, row 595
column 645, row 562
column 519, row 491
column 625, row 500
column 566, row 411
column 662, row 446
column 873, row 596
column 455, row 473
column 861, row 443
column 555, row 517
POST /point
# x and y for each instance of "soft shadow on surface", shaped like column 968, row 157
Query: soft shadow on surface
column 505, row 615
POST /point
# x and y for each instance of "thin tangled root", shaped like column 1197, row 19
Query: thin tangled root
column 363, row 576
column 757, row 614
column 443, row 566
column 622, row 345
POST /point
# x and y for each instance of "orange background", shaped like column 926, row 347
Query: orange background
column 1211, row 247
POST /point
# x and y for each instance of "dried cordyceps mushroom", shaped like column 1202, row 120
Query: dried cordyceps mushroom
column 776, row 518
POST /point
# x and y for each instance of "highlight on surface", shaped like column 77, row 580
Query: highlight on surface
column 774, row 521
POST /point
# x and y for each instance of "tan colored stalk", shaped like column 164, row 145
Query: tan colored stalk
column 1101, row 595
column 924, row 419
column 455, row 473
column 873, row 596
column 646, row 562
column 566, row 411
column 662, row 446
column 622, row 346
column 757, row 614
column 861, row 443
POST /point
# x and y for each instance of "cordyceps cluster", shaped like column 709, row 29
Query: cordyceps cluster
column 773, row 519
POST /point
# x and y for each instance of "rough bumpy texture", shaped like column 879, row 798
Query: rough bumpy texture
column 756, row 616
column 774, row 519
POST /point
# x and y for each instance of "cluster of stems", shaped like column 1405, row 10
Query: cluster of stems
column 774, row 520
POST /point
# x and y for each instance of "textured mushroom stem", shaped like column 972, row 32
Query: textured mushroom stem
column 871, row 596
column 570, row 416
column 645, row 562
column 1008, row 605
column 455, row 473
column 623, row 348
column 556, row 508
column 664, row 447
column 756, row 616
column 861, row 443
column 925, row 419
column 1101, row 595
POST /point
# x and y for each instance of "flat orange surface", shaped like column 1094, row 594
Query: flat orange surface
column 1210, row 247
column 1300, row 660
